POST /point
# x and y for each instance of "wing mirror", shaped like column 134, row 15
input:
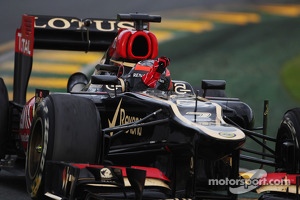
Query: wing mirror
column 76, row 82
column 212, row 85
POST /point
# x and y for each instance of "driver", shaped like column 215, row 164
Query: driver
column 152, row 73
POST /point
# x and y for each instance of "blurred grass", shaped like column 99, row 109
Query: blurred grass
column 291, row 77
column 255, row 60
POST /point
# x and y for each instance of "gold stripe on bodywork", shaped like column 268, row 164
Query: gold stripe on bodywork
column 122, row 84
column 219, row 118
column 127, row 64
column 277, row 188
column 215, row 134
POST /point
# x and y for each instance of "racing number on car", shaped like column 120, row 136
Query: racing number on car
column 180, row 88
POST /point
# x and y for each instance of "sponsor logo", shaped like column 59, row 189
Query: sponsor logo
column 66, row 23
column 227, row 134
column 200, row 114
column 185, row 102
column 137, row 75
column 25, row 120
column 105, row 173
column 23, row 45
column 125, row 119
column 249, row 181
column 180, row 88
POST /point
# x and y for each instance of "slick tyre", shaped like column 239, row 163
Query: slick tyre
column 64, row 128
column 4, row 109
column 287, row 144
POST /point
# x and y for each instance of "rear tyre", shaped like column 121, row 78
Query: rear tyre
column 64, row 128
column 4, row 109
column 287, row 145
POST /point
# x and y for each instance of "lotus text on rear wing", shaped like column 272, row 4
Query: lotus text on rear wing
column 66, row 23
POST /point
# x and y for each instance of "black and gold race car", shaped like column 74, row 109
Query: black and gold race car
column 127, row 132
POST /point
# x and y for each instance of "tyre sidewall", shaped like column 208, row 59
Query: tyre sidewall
column 69, row 129
column 45, row 116
column 290, row 130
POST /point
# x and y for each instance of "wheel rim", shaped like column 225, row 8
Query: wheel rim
column 35, row 149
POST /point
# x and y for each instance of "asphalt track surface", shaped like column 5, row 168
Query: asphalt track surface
column 12, row 182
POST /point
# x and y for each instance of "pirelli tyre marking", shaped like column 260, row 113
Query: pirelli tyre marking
column 37, row 174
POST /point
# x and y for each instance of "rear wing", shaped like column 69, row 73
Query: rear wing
column 70, row 33
column 66, row 33
column 58, row 33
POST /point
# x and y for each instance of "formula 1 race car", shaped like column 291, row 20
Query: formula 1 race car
column 128, row 132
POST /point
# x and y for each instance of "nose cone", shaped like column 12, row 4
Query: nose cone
column 218, row 141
